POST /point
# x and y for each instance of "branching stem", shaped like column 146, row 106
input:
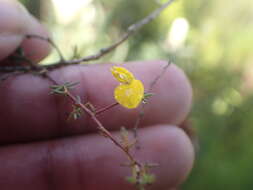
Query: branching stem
column 7, row 71
column 50, row 66
column 100, row 126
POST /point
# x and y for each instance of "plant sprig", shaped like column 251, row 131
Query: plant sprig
column 141, row 177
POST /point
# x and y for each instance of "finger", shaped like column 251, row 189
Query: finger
column 28, row 112
column 93, row 162
column 15, row 23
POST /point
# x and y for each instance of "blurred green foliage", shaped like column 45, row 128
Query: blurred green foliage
column 217, row 55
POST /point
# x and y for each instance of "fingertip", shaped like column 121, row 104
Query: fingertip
column 172, row 151
column 184, row 150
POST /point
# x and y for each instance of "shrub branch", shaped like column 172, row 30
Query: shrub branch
column 131, row 30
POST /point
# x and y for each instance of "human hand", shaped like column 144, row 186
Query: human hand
column 41, row 150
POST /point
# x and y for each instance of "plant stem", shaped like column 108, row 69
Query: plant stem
column 106, row 108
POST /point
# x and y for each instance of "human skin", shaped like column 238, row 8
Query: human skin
column 41, row 150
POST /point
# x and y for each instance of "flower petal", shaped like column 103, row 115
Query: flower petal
column 129, row 95
column 122, row 75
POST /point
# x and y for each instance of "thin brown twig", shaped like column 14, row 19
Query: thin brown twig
column 157, row 78
column 130, row 31
column 106, row 108
column 142, row 111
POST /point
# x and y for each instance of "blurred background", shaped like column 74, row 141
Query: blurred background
column 211, row 40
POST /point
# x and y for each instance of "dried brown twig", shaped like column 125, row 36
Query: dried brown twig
column 62, row 62
column 149, row 92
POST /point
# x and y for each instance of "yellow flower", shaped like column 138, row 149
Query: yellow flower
column 130, row 91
